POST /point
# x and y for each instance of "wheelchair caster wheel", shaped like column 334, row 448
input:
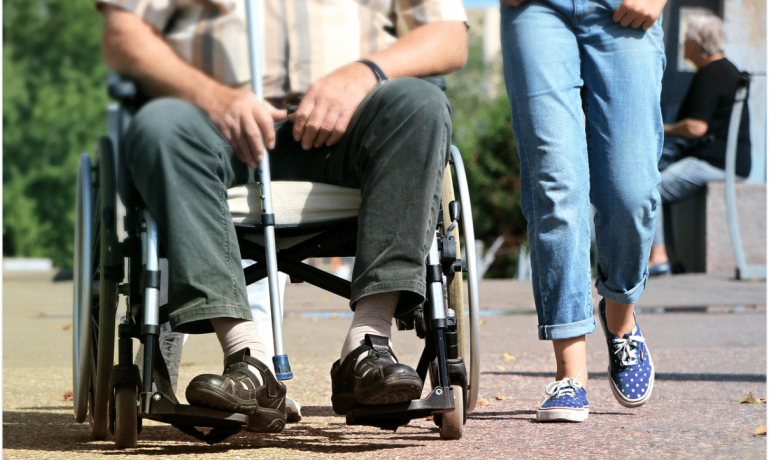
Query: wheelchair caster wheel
column 126, row 417
column 452, row 423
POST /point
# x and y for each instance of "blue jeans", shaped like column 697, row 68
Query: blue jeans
column 680, row 180
column 585, row 98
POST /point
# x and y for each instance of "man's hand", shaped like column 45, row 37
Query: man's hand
column 326, row 110
column 639, row 13
column 244, row 121
column 688, row 128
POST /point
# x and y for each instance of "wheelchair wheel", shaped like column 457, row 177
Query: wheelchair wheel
column 83, row 291
column 108, row 295
column 95, row 290
column 468, row 331
column 451, row 423
column 126, row 417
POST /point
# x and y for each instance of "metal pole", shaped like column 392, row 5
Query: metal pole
column 280, row 360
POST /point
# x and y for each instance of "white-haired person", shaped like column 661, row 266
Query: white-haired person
column 696, row 141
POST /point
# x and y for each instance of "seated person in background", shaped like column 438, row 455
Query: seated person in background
column 696, row 142
column 205, row 131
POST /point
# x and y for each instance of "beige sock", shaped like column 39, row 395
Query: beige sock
column 236, row 334
column 373, row 315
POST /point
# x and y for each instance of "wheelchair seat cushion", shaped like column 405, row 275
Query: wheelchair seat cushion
column 294, row 203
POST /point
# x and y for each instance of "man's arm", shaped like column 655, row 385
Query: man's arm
column 432, row 49
column 135, row 49
column 688, row 128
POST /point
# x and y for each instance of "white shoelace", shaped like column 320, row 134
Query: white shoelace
column 626, row 349
column 565, row 387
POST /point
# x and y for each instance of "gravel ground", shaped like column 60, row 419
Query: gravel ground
column 706, row 362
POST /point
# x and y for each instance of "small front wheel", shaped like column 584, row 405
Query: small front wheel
column 452, row 423
column 126, row 417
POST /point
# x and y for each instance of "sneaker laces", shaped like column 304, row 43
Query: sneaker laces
column 565, row 387
column 626, row 349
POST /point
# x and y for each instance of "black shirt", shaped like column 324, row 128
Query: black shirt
column 710, row 97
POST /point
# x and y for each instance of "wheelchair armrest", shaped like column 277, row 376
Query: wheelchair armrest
column 125, row 91
column 437, row 80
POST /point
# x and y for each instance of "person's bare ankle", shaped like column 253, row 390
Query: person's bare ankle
column 619, row 318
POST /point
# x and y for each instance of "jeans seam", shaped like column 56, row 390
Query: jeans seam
column 524, row 147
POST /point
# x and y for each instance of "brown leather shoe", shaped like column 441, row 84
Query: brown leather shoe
column 373, row 379
column 238, row 390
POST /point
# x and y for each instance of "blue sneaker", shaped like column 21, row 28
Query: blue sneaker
column 566, row 402
column 631, row 370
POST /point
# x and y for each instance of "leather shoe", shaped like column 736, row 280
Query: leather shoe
column 371, row 375
column 238, row 390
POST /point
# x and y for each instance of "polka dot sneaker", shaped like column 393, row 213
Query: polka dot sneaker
column 566, row 402
column 631, row 370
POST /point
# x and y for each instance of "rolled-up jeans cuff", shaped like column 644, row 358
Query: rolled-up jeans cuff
column 567, row 331
column 626, row 297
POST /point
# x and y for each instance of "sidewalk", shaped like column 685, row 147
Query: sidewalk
column 707, row 335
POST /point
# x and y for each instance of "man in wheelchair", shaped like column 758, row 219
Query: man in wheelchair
column 328, row 117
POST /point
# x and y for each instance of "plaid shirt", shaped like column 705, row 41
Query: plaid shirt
column 307, row 39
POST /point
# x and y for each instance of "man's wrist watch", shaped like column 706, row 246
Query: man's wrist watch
column 380, row 76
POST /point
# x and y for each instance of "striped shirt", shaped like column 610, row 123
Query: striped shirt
column 304, row 39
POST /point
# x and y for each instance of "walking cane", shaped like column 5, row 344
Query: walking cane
column 280, row 360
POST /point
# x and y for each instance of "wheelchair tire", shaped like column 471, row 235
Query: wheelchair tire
column 108, row 295
column 126, row 417
column 452, row 423
column 83, row 291
column 468, row 330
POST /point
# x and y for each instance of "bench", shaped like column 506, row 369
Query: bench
column 701, row 240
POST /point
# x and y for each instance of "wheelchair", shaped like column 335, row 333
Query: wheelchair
column 321, row 222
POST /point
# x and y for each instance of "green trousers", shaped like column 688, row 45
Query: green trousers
column 394, row 150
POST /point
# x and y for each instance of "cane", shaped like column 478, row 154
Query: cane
column 280, row 360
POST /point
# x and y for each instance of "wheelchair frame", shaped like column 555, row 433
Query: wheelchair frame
column 116, row 399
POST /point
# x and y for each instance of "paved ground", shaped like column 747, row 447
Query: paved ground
column 707, row 335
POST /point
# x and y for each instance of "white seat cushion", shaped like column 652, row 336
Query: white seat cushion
column 294, row 203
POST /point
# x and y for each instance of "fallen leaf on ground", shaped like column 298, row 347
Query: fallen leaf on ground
column 68, row 396
column 66, row 327
column 483, row 402
column 500, row 397
column 508, row 357
column 501, row 368
column 482, row 322
column 760, row 431
column 750, row 399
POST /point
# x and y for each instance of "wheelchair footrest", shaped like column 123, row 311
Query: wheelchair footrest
column 392, row 416
column 162, row 409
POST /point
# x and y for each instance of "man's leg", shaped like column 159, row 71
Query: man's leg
column 182, row 167
column 395, row 151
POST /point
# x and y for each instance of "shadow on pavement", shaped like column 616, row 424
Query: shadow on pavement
column 22, row 431
column 657, row 376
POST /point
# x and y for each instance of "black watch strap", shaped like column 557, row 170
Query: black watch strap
column 380, row 76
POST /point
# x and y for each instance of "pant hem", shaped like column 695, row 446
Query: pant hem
column 567, row 331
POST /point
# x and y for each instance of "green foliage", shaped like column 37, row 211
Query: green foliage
column 54, row 99
column 484, row 134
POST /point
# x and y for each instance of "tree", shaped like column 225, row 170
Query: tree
column 484, row 134
column 54, row 101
